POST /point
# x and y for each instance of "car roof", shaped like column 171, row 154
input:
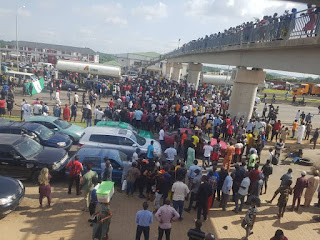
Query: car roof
column 11, row 139
column 95, row 151
column 42, row 118
column 107, row 130
column 27, row 125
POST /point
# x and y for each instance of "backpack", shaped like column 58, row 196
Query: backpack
column 274, row 160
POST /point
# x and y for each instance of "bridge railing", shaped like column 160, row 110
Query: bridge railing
column 301, row 24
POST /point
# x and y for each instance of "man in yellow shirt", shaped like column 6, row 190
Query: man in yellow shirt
column 195, row 141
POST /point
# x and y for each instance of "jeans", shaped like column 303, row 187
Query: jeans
column 237, row 198
column 167, row 232
column 130, row 187
column 144, row 230
column 178, row 206
column 293, row 133
column 192, row 198
column 89, row 123
column 162, row 145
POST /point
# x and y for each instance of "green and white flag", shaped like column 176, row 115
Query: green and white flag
column 38, row 85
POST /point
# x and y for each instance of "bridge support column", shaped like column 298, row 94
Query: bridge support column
column 244, row 92
column 194, row 74
column 176, row 73
column 168, row 70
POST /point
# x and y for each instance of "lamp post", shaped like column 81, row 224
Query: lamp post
column 17, row 44
column 179, row 43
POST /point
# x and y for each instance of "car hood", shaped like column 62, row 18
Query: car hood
column 9, row 186
column 59, row 137
column 50, row 155
column 145, row 134
column 74, row 129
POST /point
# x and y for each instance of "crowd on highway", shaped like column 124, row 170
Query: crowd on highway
column 194, row 127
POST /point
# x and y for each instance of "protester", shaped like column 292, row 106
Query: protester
column 87, row 184
column 144, row 219
column 250, row 218
column 301, row 184
column 180, row 191
column 165, row 215
column 75, row 168
column 313, row 183
column 196, row 233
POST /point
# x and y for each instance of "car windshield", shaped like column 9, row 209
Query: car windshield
column 140, row 140
column 28, row 148
column 132, row 128
column 62, row 124
column 44, row 133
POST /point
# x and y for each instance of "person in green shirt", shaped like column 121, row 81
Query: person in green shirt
column 88, row 182
column 252, row 160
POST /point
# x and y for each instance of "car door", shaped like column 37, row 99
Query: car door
column 12, row 163
column 127, row 146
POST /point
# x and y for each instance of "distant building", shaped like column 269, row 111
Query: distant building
column 44, row 52
column 139, row 62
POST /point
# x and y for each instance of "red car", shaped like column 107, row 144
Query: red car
column 169, row 137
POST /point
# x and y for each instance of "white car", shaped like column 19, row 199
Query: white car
column 123, row 140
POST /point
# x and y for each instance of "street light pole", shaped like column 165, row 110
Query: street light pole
column 17, row 45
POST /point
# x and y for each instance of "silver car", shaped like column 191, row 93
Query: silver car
column 124, row 140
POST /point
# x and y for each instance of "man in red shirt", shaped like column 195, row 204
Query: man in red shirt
column 75, row 167
column 2, row 107
column 111, row 102
column 276, row 130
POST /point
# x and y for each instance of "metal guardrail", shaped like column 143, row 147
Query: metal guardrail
column 287, row 26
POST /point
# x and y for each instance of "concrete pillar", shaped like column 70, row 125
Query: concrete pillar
column 176, row 71
column 194, row 74
column 244, row 92
column 169, row 70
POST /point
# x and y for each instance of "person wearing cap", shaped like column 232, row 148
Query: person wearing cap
column 135, row 155
column 196, row 233
column 313, row 183
column 301, row 184
column 250, row 217
column 144, row 219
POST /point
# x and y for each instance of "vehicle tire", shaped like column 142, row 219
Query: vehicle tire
column 34, row 176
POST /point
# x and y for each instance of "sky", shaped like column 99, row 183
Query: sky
column 120, row 26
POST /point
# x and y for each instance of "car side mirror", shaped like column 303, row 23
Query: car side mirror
column 55, row 129
column 16, row 157
column 134, row 145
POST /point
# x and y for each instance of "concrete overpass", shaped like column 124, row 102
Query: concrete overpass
column 287, row 43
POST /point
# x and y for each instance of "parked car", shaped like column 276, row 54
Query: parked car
column 66, row 84
column 124, row 125
column 38, row 132
column 169, row 137
column 11, row 194
column 279, row 87
column 75, row 132
column 22, row 157
column 95, row 157
column 123, row 140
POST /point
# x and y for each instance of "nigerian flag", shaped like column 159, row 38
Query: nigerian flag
column 38, row 86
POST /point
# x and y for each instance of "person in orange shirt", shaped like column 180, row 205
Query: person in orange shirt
column 228, row 158
column 184, row 137
column 178, row 107
column 66, row 113
column 294, row 127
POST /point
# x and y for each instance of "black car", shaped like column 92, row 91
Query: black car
column 11, row 194
column 38, row 132
column 22, row 157
column 66, row 84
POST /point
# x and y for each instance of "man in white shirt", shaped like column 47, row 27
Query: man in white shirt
column 76, row 99
column 161, row 138
column 37, row 109
column 135, row 155
column 170, row 154
column 207, row 153
column 27, row 110
column 98, row 114
column 242, row 192
column 179, row 190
